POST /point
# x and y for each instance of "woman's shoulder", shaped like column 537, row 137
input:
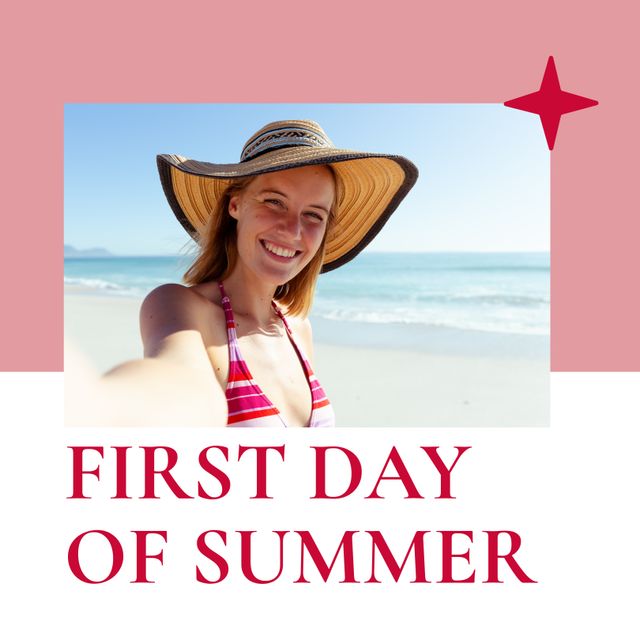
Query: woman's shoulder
column 182, row 300
column 301, row 328
column 300, row 324
column 174, row 307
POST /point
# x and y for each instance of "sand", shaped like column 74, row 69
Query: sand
column 375, row 376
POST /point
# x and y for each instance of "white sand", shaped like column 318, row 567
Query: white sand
column 368, row 386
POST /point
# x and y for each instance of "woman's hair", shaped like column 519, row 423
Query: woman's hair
column 218, row 252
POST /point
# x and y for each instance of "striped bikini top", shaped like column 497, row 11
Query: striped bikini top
column 248, row 406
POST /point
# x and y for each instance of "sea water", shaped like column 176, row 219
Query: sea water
column 506, row 293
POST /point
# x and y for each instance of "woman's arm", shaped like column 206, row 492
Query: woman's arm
column 173, row 385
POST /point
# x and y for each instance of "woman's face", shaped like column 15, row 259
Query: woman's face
column 282, row 218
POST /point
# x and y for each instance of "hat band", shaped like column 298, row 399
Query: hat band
column 288, row 137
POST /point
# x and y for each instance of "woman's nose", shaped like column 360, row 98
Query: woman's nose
column 291, row 224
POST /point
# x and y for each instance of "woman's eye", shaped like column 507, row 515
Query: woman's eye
column 315, row 216
column 274, row 201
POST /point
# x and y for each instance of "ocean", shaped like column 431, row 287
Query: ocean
column 489, row 292
column 504, row 293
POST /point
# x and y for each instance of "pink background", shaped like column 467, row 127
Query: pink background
column 341, row 52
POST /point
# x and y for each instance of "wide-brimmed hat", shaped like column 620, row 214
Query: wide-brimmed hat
column 372, row 184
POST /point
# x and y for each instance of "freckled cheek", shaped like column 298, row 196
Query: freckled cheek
column 265, row 219
column 247, row 236
column 253, row 225
column 315, row 237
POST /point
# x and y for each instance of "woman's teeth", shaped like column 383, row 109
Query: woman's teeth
column 279, row 251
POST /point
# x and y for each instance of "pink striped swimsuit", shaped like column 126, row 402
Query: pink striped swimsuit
column 248, row 406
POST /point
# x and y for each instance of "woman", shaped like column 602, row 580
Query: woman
column 235, row 344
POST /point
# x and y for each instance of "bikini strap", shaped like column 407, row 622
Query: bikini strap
column 228, row 312
column 282, row 317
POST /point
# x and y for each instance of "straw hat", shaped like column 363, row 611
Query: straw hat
column 372, row 184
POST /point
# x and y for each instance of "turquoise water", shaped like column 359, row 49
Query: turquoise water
column 491, row 292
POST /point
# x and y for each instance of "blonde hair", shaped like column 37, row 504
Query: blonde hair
column 218, row 252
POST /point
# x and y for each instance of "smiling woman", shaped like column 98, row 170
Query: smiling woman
column 234, row 344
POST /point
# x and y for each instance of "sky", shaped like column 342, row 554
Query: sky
column 483, row 185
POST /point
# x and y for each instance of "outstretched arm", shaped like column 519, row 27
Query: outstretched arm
column 173, row 385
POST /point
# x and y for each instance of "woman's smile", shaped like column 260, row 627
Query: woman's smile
column 279, row 251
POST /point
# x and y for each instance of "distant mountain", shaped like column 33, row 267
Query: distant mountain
column 95, row 252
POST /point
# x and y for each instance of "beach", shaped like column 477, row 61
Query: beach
column 375, row 374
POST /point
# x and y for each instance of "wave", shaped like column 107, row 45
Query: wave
column 103, row 286
column 501, row 268
column 498, row 299
column 470, row 299
column 437, row 319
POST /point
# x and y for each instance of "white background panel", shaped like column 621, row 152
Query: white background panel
column 568, row 491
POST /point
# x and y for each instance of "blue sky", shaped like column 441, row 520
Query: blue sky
column 483, row 185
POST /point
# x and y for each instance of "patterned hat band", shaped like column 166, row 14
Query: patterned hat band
column 270, row 138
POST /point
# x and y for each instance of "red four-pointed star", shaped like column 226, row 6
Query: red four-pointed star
column 550, row 102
